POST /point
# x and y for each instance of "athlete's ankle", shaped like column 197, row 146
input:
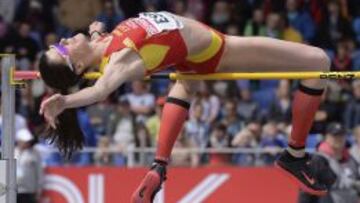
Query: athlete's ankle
column 296, row 152
column 161, row 161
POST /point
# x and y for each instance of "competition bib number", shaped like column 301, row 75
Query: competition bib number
column 162, row 21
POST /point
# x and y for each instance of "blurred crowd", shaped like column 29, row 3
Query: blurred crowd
column 247, row 114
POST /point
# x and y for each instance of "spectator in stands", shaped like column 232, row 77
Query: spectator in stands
column 333, row 27
column 342, row 60
column 300, row 19
column 330, row 110
column 280, row 109
column 247, row 108
column 159, row 5
column 352, row 109
column 25, row 102
column 196, row 129
column 255, row 26
column 180, row 7
column 197, row 9
column 122, row 129
column 287, row 32
column 50, row 39
column 245, row 9
column 334, row 149
column 3, row 34
column 103, row 156
column 72, row 15
column 355, row 149
column 272, row 140
column 223, row 89
column 99, row 116
column 232, row 29
column 109, row 16
column 273, row 22
column 183, row 158
column 84, row 158
column 34, row 17
column 316, row 9
column 356, row 26
column 142, row 102
column 209, row 101
column 37, row 89
column 30, row 11
column 29, row 170
column 255, row 127
column 153, row 123
column 230, row 118
column 8, row 40
column 7, row 10
column 49, row 16
column 276, row 6
column 220, row 15
column 143, row 140
column 244, row 139
column 219, row 139
column 131, row 8
column 26, row 47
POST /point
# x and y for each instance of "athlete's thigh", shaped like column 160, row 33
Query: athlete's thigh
column 252, row 54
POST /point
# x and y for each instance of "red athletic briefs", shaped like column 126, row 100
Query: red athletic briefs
column 156, row 38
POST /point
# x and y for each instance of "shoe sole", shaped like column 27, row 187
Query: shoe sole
column 151, row 180
column 299, row 183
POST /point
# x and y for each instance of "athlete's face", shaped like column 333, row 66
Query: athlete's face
column 74, row 50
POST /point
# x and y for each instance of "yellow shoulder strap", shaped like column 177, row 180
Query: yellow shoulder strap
column 104, row 62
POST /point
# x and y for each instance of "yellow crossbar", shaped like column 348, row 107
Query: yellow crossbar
column 262, row 76
column 228, row 76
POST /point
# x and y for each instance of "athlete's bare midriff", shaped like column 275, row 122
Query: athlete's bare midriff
column 196, row 36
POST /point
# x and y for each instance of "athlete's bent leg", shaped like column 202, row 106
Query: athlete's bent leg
column 259, row 54
column 174, row 114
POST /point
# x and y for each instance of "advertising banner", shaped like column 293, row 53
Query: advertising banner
column 184, row 185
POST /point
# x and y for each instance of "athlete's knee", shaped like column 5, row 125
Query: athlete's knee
column 190, row 86
column 183, row 89
column 323, row 61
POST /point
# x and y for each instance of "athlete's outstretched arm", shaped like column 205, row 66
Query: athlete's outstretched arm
column 102, row 88
column 114, row 75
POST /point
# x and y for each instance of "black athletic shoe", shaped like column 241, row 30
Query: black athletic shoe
column 301, row 171
column 151, row 184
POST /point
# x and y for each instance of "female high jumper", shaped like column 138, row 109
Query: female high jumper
column 154, row 41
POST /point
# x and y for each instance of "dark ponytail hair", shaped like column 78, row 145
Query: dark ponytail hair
column 68, row 135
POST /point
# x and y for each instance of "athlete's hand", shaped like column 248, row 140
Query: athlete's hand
column 52, row 107
column 96, row 26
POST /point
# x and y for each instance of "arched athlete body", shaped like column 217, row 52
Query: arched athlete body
column 154, row 41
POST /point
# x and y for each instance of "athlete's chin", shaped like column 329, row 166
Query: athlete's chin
column 81, row 38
